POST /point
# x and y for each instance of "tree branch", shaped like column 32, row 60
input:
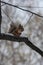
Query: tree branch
column 0, row 16
column 20, row 8
column 20, row 39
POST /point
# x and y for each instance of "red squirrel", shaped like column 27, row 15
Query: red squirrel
column 16, row 30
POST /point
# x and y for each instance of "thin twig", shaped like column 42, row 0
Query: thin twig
column 7, row 15
column 26, row 6
column 21, row 8
column 29, row 19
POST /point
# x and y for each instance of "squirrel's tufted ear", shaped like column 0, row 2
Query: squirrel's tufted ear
column 21, row 27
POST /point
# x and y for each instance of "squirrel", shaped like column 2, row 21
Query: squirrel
column 16, row 30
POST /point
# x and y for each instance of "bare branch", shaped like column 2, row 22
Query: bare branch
column 21, row 8
column 0, row 16
column 20, row 39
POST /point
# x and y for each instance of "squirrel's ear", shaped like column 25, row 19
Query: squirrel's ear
column 21, row 27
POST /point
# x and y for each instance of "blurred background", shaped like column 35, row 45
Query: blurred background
column 18, row 53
